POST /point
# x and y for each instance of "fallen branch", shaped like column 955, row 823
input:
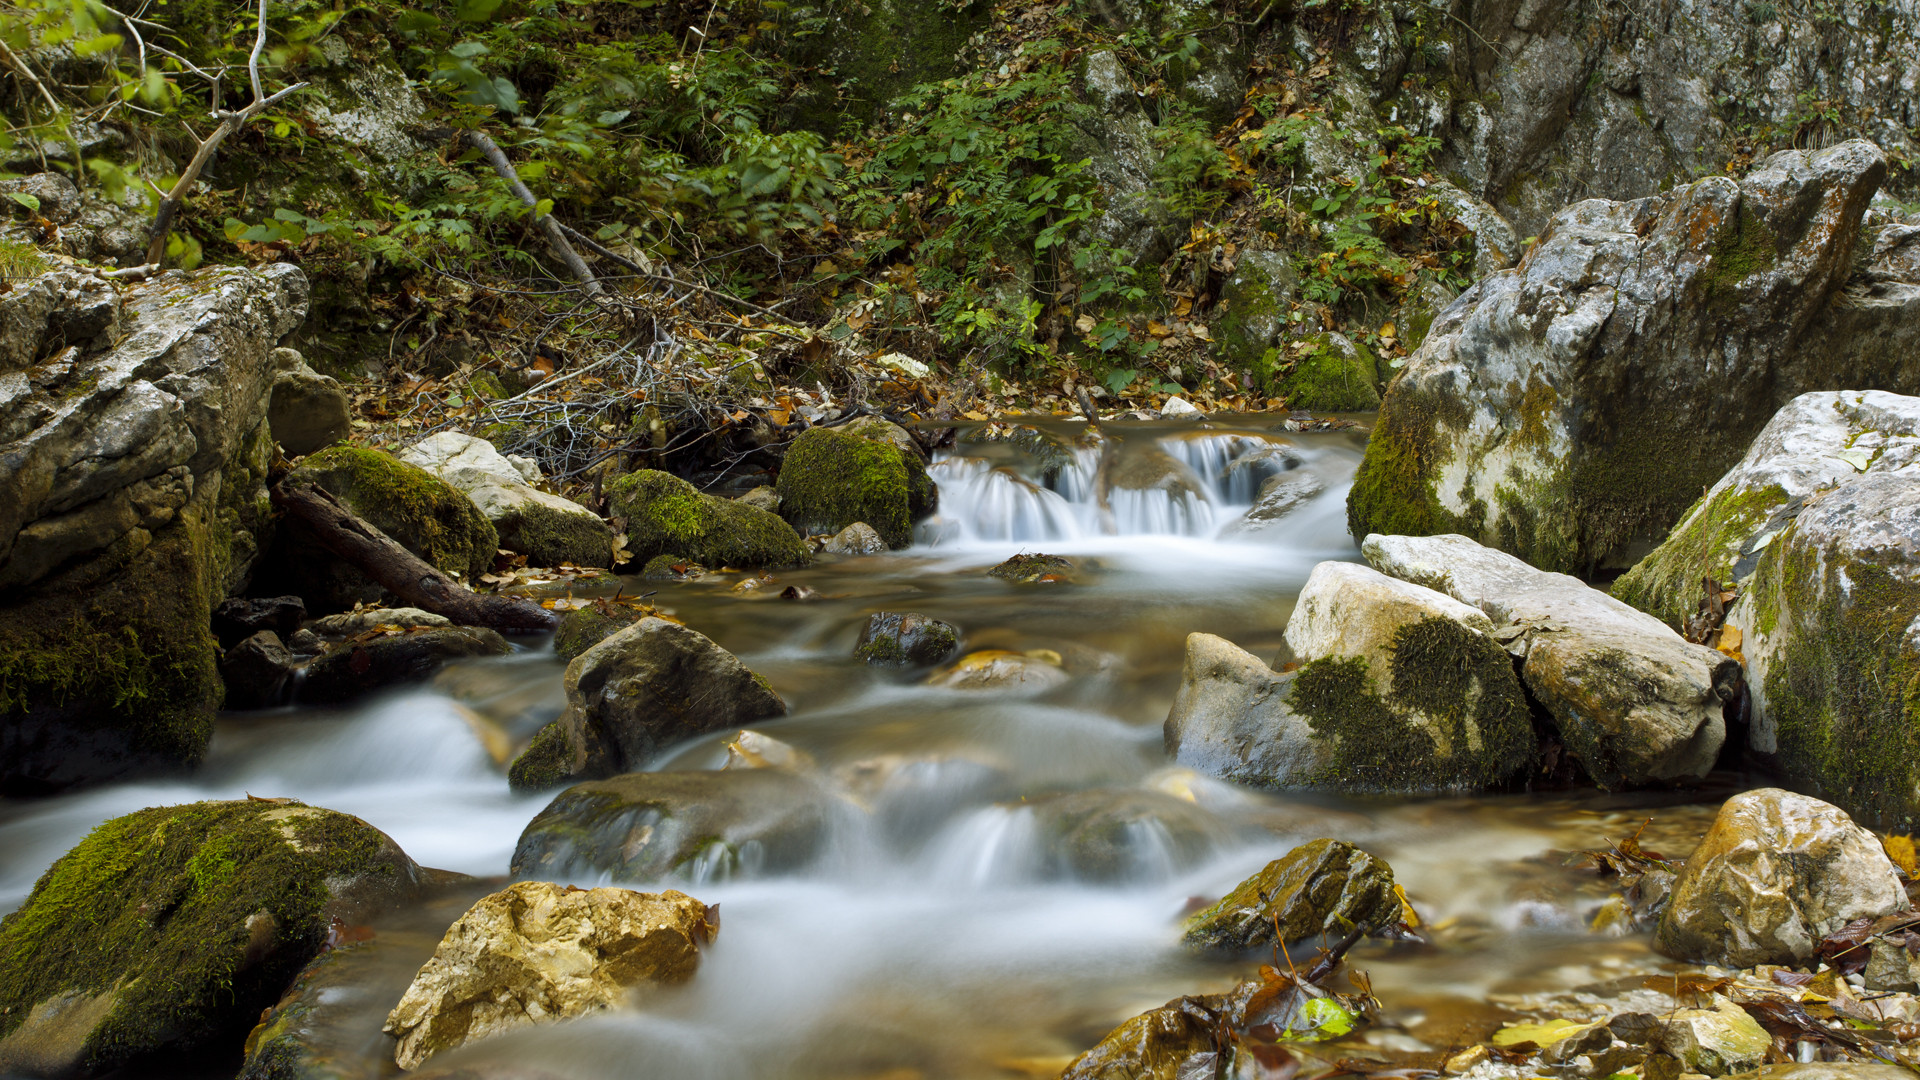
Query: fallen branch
column 400, row 571
column 556, row 238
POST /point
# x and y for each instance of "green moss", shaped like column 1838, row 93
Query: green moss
column 871, row 53
column 583, row 628
column 154, row 907
column 1328, row 378
column 1625, row 485
column 1667, row 583
column 549, row 537
column 547, row 762
column 1537, row 404
column 1395, row 490
column 665, row 515
column 1375, row 748
column 1740, row 252
column 417, row 509
column 831, row 479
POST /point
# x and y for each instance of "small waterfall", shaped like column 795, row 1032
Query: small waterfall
column 1038, row 488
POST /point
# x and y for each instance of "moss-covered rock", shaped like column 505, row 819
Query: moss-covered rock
column 904, row 639
column 667, row 516
column 1332, row 374
column 583, row 628
column 1256, row 299
column 1321, row 887
column 162, row 935
column 1036, row 568
column 420, row 511
column 870, row 54
column 548, row 529
column 831, row 479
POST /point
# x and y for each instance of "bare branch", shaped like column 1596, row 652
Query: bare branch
column 556, row 238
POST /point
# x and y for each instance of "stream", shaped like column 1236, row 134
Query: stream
column 940, row 936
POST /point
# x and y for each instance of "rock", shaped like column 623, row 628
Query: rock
column 537, row 953
column 1177, row 408
column 353, row 668
column 583, row 628
column 1775, row 874
column 1233, row 718
column 255, row 672
column 831, row 479
column 547, row 529
column 1001, row 669
column 250, row 889
column 1830, row 1070
column 1634, row 701
column 1143, row 466
column 671, row 568
column 1891, row 967
column 904, row 639
column 753, row 750
column 1123, row 834
column 132, row 502
column 1279, row 496
column 417, row 509
column 1034, row 569
column 1257, row 297
column 1540, row 411
column 235, row 620
column 1330, row 374
column 1320, row 887
column 856, row 539
column 309, row 411
column 698, row 826
column 763, row 497
column 665, row 515
column 354, row 623
column 1818, row 442
column 1177, row 1041
column 1715, row 1041
column 1407, row 683
column 637, row 692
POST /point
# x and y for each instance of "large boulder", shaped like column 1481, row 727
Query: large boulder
column 546, row 528
column 1233, row 717
column 309, row 410
column 135, row 452
column 833, row 478
column 1322, row 887
column 537, row 953
column 665, row 515
column 1635, row 702
column 163, row 934
column 417, row 509
column 636, row 692
column 1541, row 413
column 1820, row 441
column 693, row 825
column 1775, row 874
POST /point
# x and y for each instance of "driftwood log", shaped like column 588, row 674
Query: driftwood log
column 400, row 571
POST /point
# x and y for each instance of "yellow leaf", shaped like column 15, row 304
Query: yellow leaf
column 972, row 415
column 1540, row 1034
column 1158, row 329
column 1900, row 849
column 1199, row 330
column 1184, row 306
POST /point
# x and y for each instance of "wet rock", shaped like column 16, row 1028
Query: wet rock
column 763, row 497
column 671, row 568
column 1176, row 1041
column 666, row 515
column 754, row 750
column 1775, row 874
column 1179, row 408
column 538, row 953
column 1830, row 1070
column 637, row 692
column 1539, row 413
column 1891, row 967
column 856, row 539
column 1233, row 718
column 250, row 889
column 1634, row 701
column 1715, row 1041
column 904, row 639
column 309, row 411
column 1408, row 683
column 256, row 672
column 1320, row 887
column 698, row 826
column 583, row 628
column 1003, row 669
column 1122, row 834
column 306, row 643
column 132, row 502
column 235, row 619
column 354, row 623
column 417, row 509
column 1034, row 569
column 356, row 667
column 1142, row 466
column 547, row 529
column 831, row 479
column 1279, row 496
column 1818, row 442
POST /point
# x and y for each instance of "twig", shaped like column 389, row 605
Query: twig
column 556, row 238
column 19, row 65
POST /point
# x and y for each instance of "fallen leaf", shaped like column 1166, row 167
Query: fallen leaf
column 1540, row 1034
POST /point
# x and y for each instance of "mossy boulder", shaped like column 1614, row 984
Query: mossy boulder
column 831, row 479
column 867, row 55
column 667, row 516
column 1330, row 374
column 905, row 639
column 1256, row 300
column 548, row 529
column 162, row 935
column 1323, row 887
column 420, row 511
column 583, row 628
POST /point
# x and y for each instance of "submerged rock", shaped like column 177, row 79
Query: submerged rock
column 1542, row 411
column 417, row 509
column 904, row 639
column 1279, row 497
column 1120, row 834
column 547, row 529
column 697, row 826
column 352, row 668
column 831, row 479
column 1634, row 701
column 1034, row 569
column 1002, row 669
column 1775, row 874
column 638, row 691
column 92, row 977
column 536, row 953
column 1322, row 887
column 667, row 516
column 309, row 410
column 671, row 568
column 1178, row 1040
column 856, row 539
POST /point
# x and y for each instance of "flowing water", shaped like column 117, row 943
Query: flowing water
column 943, row 934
